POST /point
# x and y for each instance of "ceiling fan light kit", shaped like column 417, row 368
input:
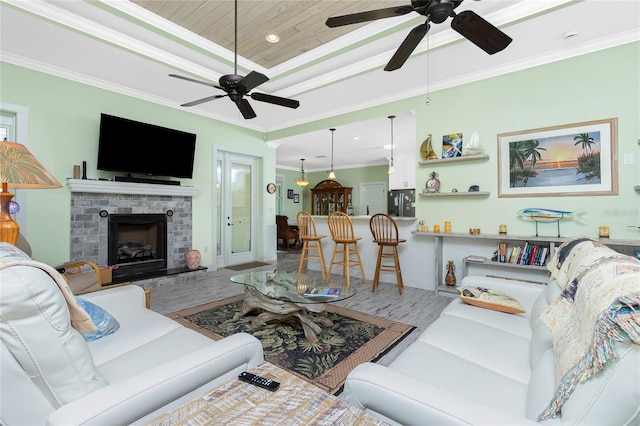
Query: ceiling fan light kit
column 467, row 23
column 237, row 87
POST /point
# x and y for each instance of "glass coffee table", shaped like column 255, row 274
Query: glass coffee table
column 283, row 295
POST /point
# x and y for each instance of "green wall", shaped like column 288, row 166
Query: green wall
column 289, row 208
column 594, row 86
column 63, row 123
column 346, row 177
column 64, row 117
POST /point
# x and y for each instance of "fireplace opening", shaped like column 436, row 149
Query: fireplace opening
column 137, row 245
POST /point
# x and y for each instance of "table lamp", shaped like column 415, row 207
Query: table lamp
column 18, row 169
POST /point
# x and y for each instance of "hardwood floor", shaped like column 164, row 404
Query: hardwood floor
column 416, row 307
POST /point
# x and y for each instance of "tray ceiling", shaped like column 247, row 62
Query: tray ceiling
column 130, row 47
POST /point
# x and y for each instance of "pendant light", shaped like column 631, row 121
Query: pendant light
column 392, row 168
column 332, row 174
column 428, row 99
column 303, row 181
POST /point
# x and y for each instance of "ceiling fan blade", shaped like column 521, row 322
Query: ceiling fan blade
column 203, row 100
column 253, row 80
column 371, row 15
column 245, row 109
column 195, row 81
column 407, row 47
column 480, row 32
column 285, row 102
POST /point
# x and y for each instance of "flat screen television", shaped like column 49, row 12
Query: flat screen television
column 133, row 147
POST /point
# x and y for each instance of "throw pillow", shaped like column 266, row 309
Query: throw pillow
column 490, row 299
column 104, row 321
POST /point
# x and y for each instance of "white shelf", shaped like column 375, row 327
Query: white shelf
column 116, row 187
column 455, row 194
column 474, row 157
column 489, row 240
column 507, row 237
column 506, row 264
column 446, row 289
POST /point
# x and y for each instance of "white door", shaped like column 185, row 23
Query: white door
column 237, row 195
column 372, row 198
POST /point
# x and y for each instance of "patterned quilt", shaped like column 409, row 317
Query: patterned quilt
column 599, row 306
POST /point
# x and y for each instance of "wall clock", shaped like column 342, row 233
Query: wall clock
column 271, row 188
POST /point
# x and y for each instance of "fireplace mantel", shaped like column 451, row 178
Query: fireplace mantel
column 114, row 187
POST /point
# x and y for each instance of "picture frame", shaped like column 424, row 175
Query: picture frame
column 569, row 159
column 289, row 193
column 452, row 145
column 296, row 198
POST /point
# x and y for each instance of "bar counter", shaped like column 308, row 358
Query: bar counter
column 416, row 255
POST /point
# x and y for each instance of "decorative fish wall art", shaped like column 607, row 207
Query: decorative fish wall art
column 550, row 215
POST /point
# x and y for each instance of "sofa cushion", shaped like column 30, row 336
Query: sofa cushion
column 166, row 348
column 104, row 321
column 490, row 299
column 542, row 383
column 496, row 350
column 517, row 324
column 35, row 328
column 462, row 376
column 551, row 292
column 129, row 337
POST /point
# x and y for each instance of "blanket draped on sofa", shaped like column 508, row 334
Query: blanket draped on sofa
column 599, row 306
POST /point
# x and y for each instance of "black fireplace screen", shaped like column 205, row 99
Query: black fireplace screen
column 137, row 243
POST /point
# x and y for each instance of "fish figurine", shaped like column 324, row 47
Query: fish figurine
column 549, row 215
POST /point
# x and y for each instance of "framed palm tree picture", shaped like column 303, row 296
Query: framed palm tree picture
column 572, row 159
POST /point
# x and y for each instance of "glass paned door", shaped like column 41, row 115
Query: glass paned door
column 236, row 204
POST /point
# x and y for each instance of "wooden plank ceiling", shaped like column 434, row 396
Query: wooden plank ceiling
column 300, row 24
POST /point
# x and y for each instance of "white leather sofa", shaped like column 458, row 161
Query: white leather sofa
column 475, row 366
column 50, row 375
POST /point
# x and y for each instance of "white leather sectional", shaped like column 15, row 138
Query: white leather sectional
column 50, row 375
column 477, row 366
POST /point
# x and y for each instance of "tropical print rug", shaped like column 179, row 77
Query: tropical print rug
column 354, row 338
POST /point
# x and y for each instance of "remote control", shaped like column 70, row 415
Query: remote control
column 263, row 382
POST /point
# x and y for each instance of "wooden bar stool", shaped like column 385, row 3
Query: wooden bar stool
column 341, row 229
column 311, row 241
column 385, row 234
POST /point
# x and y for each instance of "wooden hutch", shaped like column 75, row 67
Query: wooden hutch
column 329, row 196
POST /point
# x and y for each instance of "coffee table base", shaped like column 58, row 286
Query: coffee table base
column 310, row 315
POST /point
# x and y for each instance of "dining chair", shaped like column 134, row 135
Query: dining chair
column 286, row 233
column 385, row 233
column 311, row 241
column 346, row 244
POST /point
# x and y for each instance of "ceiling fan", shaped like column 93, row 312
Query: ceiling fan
column 237, row 86
column 468, row 23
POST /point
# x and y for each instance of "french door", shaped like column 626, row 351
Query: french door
column 237, row 208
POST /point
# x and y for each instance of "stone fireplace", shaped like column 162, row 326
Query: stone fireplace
column 156, row 222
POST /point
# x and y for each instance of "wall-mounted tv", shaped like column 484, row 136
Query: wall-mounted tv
column 133, row 147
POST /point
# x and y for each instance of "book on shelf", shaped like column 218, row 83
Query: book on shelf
column 527, row 254
column 322, row 292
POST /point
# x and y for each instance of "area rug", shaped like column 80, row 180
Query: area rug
column 354, row 338
column 245, row 266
